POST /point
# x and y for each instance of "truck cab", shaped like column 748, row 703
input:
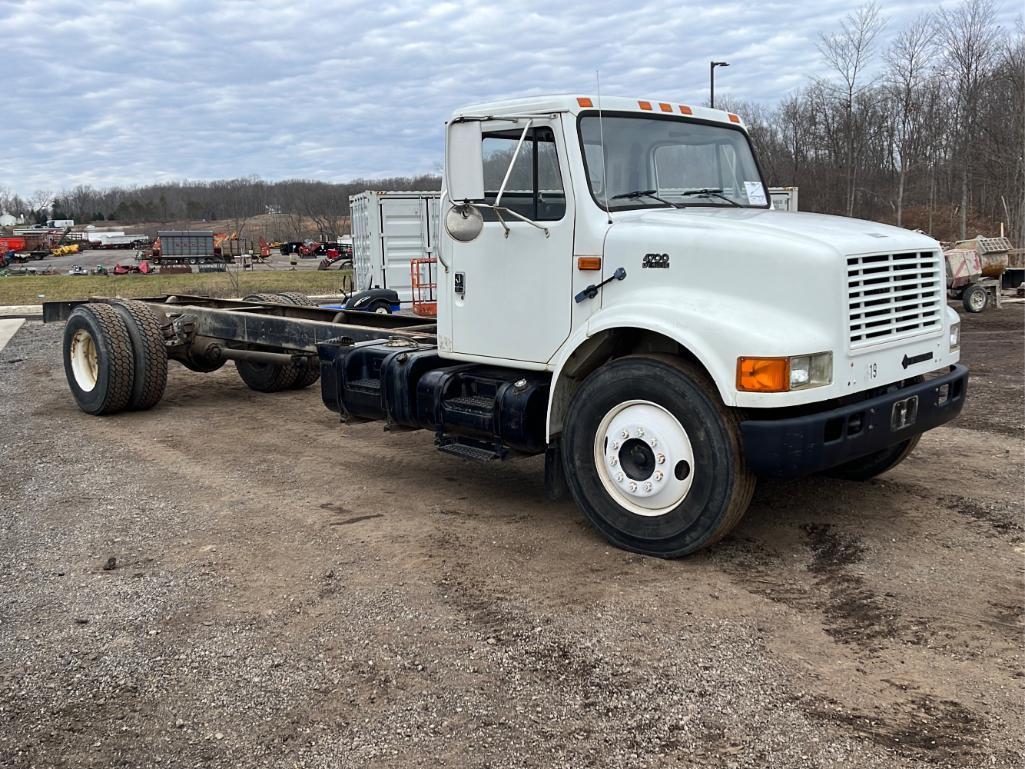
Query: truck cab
column 581, row 234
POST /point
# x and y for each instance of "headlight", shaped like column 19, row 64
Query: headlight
column 774, row 375
column 955, row 336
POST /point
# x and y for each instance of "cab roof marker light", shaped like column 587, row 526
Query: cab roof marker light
column 644, row 105
column 584, row 101
column 665, row 107
column 734, row 118
column 685, row 110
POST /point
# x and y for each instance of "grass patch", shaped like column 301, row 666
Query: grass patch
column 26, row 289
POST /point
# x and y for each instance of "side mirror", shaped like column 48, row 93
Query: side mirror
column 464, row 162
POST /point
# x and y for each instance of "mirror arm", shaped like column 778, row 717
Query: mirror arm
column 522, row 218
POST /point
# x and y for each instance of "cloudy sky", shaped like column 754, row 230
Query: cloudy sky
column 132, row 91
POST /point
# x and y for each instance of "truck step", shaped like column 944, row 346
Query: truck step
column 470, row 449
column 366, row 385
column 481, row 404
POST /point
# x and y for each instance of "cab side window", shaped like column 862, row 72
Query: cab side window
column 534, row 189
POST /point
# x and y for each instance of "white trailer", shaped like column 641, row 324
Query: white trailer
column 389, row 230
column 783, row 198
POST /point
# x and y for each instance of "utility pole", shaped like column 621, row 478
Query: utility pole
column 711, row 80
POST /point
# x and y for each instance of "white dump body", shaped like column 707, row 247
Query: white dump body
column 389, row 230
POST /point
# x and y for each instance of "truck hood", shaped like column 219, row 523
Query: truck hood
column 838, row 233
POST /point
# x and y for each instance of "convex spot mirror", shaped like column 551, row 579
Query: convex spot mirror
column 463, row 222
column 464, row 162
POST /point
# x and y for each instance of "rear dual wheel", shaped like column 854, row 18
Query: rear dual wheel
column 274, row 377
column 654, row 458
column 114, row 357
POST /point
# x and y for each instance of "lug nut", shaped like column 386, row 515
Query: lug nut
column 661, row 459
column 619, row 477
column 613, row 461
column 658, row 475
column 647, row 485
column 640, row 432
column 625, row 434
column 653, row 443
column 633, row 486
column 614, row 445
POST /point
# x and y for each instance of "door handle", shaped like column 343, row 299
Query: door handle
column 592, row 290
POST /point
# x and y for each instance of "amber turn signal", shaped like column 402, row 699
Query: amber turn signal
column 588, row 262
column 763, row 375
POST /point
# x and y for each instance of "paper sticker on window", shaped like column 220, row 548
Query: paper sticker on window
column 755, row 193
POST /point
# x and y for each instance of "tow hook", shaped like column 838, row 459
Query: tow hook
column 592, row 290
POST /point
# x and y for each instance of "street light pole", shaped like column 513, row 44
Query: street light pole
column 711, row 79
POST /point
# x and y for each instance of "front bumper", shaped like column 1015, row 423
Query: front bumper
column 796, row 446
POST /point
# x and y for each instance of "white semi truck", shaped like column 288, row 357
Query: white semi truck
column 616, row 292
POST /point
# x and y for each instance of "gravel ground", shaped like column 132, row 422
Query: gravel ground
column 235, row 579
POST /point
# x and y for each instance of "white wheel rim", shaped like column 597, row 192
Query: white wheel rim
column 642, row 430
column 84, row 362
column 977, row 300
column 381, row 310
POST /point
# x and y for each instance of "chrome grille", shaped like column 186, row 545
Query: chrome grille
column 893, row 296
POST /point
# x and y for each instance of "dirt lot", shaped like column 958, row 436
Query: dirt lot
column 289, row 592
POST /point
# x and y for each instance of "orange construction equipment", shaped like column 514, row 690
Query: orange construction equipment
column 421, row 278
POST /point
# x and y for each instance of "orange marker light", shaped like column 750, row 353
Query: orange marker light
column 583, row 101
column 665, row 107
column 588, row 262
column 763, row 375
column 685, row 110
column 644, row 105
column 734, row 118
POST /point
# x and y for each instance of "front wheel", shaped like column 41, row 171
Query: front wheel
column 653, row 457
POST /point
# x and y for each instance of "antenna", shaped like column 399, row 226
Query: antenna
column 601, row 140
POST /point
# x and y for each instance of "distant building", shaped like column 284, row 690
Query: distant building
column 6, row 220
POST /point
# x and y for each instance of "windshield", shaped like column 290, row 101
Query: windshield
column 653, row 161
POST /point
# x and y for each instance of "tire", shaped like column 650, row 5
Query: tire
column 264, row 299
column 877, row 463
column 304, row 377
column 707, row 489
column 266, row 377
column 974, row 299
column 294, row 297
column 149, row 352
column 379, row 306
column 98, row 360
column 193, row 260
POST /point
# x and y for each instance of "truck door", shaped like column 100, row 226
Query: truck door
column 512, row 287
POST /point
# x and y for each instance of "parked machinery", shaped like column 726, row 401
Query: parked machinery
column 974, row 268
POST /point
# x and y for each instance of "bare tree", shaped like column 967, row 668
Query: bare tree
column 909, row 61
column 848, row 52
column 970, row 36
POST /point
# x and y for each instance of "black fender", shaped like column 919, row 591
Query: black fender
column 362, row 300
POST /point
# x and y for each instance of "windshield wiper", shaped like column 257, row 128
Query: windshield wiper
column 642, row 194
column 711, row 193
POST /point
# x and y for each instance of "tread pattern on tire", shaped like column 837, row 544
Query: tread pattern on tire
column 120, row 362
column 151, row 361
column 296, row 298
